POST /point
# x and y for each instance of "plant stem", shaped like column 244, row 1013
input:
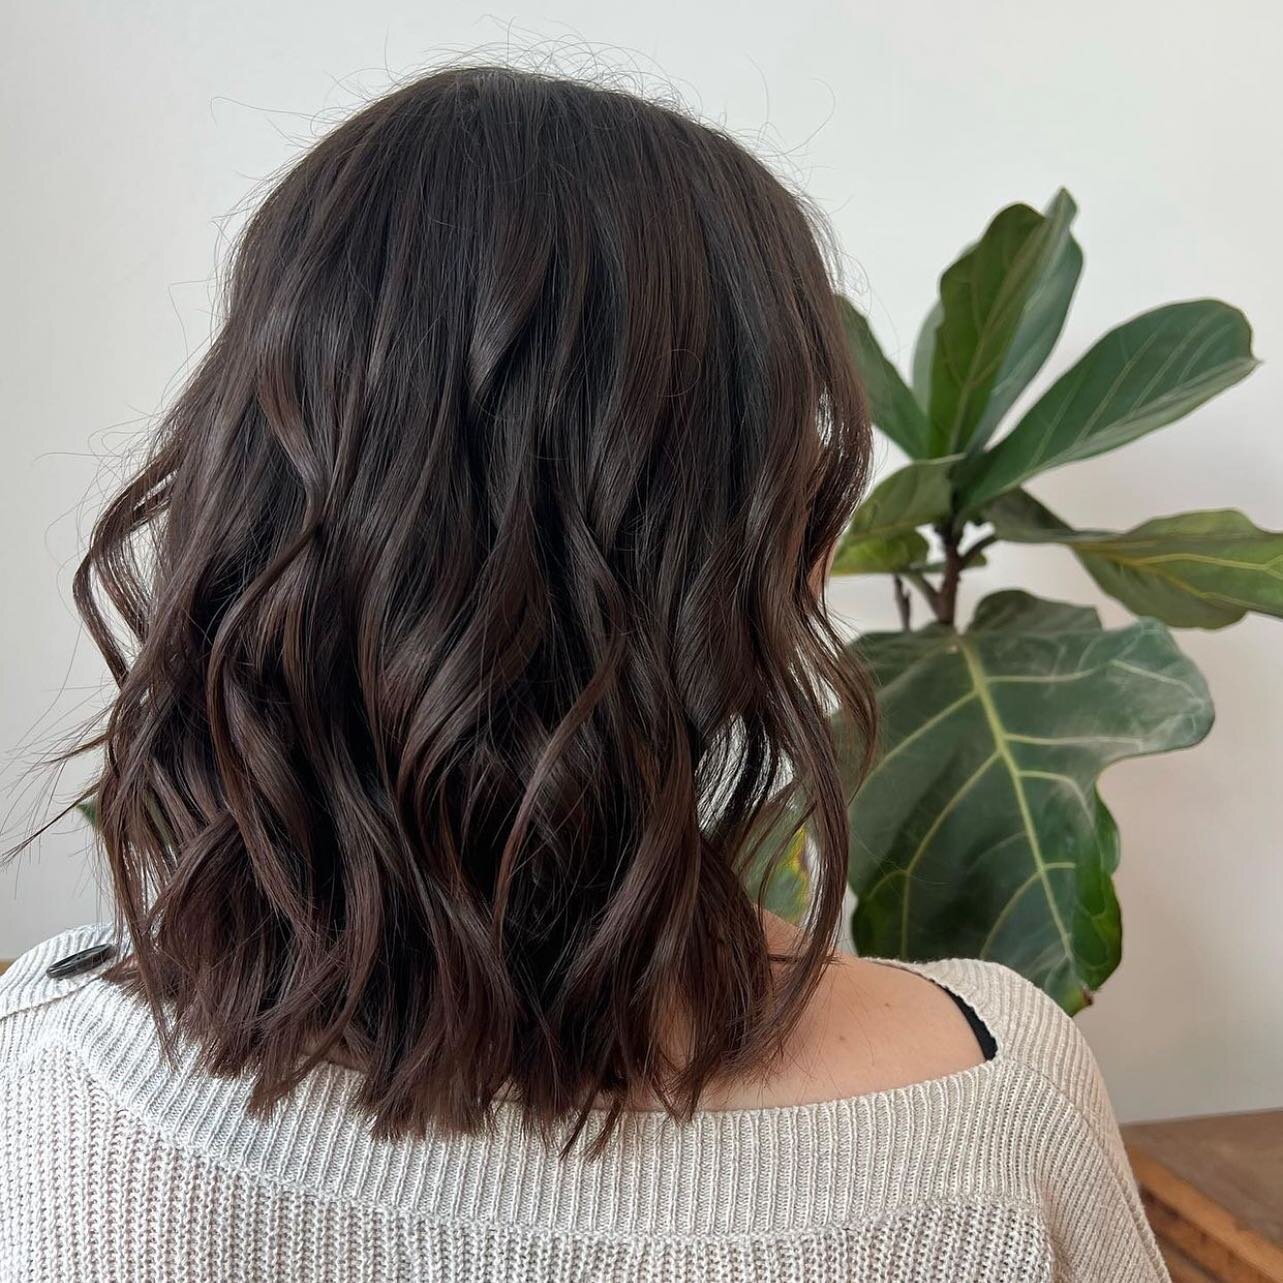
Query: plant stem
column 903, row 602
column 924, row 586
column 946, row 602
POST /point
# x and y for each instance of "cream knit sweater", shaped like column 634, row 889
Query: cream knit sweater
column 115, row 1166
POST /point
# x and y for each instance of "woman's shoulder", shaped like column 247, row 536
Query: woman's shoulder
column 876, row 1024
column 1030, row 1029
column 1024, row 1020
column 871, row 1028
column 879, row 1024
column 1044, row 1070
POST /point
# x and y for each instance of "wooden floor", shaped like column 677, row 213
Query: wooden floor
column 1213, row 1189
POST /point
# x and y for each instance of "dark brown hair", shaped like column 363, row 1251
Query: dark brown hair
column 475, row 641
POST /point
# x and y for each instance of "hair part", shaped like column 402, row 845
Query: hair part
column 473, row 645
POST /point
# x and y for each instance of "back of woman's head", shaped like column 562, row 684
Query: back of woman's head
column 476, row 650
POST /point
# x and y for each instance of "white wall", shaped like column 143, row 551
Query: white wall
column 131, row 130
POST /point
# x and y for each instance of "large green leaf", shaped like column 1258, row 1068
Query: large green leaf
column 979, row 831
column 915, row 495
column 891, row 404
column 883, row 533
column 924, row 352
column 1140, row 376
column 1018, row 517
column 880, row 555
column 1193, row 570
column 1003, row 303
column 1040, row 324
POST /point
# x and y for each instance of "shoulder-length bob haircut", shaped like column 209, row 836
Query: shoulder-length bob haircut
column 475, row 643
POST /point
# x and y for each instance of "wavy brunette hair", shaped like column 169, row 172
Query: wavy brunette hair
column 475, row 642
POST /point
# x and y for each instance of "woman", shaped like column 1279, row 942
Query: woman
column 479, row 669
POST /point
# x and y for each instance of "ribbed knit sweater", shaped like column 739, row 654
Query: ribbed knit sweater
column 116, row 1164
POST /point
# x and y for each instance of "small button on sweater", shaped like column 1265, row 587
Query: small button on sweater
column 119, row 1166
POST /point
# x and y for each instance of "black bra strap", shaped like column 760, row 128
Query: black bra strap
column 986, row 1040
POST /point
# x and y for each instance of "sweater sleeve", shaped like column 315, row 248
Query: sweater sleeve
column 1085, row 1183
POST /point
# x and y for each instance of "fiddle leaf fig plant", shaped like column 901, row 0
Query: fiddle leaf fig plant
column 979, row 830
